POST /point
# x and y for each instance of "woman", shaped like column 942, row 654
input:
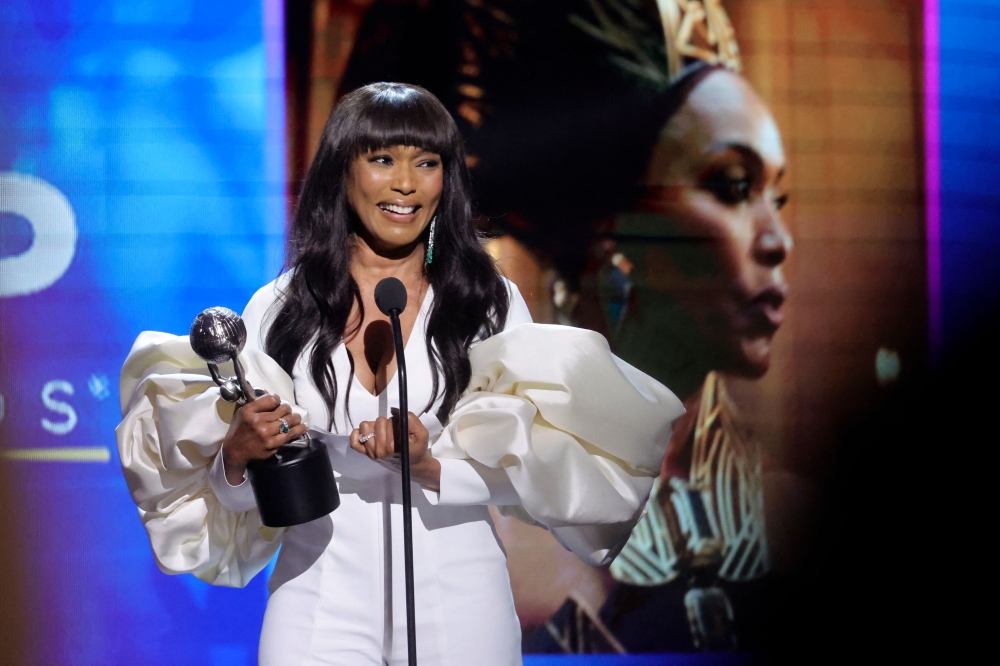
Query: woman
column 705, row 246
column 707, row 291
column 402, row 169
column 387, row 195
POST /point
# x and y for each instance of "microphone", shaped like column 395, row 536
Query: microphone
column 390, row 297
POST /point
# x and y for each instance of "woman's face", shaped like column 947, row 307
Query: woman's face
column 395, row 192
column 715, row 177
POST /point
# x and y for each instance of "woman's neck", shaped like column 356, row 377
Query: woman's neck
column 371, row 265
column 677, row 460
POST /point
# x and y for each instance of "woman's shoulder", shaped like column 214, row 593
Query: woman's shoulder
column 518, row 313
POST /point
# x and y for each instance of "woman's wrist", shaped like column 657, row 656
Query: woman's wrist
column 235, row 469
column 427, row 473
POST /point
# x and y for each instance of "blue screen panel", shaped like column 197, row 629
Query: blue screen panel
column 141, row 180
column 970, row 162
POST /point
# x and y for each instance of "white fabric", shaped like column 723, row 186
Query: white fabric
column 579, row 432
column 554, row 429
column 173, row 426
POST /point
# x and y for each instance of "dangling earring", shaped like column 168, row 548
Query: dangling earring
column 430, row 241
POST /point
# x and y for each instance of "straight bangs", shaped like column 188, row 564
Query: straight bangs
column 395, row 115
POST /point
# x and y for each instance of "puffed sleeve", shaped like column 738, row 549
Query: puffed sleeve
column 468, row 482
column 578, row 433
column 173, row 425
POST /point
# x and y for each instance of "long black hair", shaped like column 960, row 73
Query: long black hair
column 470, row 298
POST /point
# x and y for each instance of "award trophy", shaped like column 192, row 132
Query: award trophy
column 296, row 484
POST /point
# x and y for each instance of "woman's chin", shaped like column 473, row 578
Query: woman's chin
column 394, row 243
column 753, row 357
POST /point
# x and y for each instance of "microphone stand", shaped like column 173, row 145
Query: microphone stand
column 404, row 430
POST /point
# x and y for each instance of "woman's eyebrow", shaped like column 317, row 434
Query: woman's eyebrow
column 748, row 153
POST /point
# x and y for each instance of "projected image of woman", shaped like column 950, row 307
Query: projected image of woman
column 699, row 293
column 705, row 299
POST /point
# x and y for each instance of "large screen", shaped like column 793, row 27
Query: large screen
column 148, row 151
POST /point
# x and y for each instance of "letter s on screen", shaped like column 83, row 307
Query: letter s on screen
column 61, row 427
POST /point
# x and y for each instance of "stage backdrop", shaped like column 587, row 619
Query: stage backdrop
column 143, row 177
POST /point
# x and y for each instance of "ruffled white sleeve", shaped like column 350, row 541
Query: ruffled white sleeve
column 173, row 425
column 578, row 433
column 468, row 482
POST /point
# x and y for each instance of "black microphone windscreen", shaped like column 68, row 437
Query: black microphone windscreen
column 390, row 294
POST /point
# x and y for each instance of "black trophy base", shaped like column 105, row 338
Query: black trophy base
column 295, row 485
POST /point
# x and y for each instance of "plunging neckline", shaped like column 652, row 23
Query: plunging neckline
column 406, row 345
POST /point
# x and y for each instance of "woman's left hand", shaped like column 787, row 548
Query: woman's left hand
column 424, row 468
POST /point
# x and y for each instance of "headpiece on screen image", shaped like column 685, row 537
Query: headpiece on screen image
column 690, row 32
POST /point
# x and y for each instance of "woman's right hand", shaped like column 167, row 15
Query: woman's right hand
column 255, row 434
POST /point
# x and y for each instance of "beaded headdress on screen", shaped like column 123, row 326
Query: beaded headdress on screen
column 690, row 32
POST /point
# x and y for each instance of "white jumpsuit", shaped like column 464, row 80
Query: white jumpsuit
column 553, row 429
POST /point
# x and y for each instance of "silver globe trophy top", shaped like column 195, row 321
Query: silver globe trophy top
column 218, row 335
column 216, row 332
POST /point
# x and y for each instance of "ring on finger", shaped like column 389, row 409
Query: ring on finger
column 365, row 438
column 283, row 428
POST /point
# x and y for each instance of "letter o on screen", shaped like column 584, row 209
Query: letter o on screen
column 54, row 225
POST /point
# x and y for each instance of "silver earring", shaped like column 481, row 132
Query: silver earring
column 430, row 241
